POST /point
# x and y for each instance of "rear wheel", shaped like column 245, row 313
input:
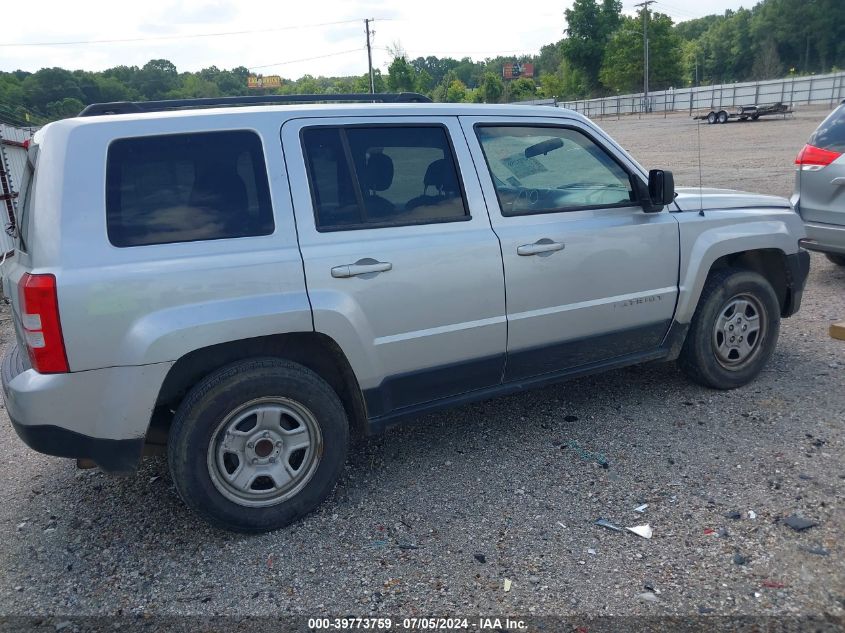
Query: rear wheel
column 734, row 330
column 258, row 444
column 839, row 260
column 722, row 117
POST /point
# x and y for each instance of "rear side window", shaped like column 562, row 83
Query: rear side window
column 830, row 134
column 187, row 187
column 391, row 175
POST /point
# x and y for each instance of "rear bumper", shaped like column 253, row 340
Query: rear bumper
column 825, row 238
column 101, row 415
column 797, row 270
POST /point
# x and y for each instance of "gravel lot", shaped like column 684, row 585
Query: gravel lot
column 432, row 518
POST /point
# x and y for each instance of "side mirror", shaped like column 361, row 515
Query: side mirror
column 661, row 187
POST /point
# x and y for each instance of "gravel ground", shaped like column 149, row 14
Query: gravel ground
column 432, row 518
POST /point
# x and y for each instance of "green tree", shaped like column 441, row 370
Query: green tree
column 424, row 82
column 456, row 92
column 64, row 108
column 589, row 28
column 522, row 89
column 156, row 78
column 50, row 85
column 491, row 88
column 401, row 76
column 622, row 70
column 767, row 64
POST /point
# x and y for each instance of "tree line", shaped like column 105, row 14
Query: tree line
column 600, row 54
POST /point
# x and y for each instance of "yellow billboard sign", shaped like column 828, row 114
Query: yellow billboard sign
column 257, row 81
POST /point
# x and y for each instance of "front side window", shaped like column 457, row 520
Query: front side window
column 187, row 187
column 390, row 175
column 547, row 169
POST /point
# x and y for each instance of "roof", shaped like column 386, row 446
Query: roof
column 330, row 110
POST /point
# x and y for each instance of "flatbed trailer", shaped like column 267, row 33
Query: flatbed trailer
column 744, row 113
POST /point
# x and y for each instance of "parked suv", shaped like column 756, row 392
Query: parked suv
column 820, row 187
column 249, row 285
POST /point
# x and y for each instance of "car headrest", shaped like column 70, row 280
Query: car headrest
column 378, row 172
column 441, row 174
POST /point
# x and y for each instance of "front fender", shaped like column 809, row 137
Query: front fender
column 719, row 233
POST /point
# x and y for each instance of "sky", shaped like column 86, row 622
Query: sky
column 290, row 38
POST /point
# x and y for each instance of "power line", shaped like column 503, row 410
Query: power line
column 498, row 52
column 179, row 37
column 308, row 59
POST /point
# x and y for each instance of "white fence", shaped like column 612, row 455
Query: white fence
column 816, row 89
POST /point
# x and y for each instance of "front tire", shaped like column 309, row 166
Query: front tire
column 734, row 330
column 837, row 259
column 258, row 444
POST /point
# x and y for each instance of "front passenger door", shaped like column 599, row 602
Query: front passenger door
column 589, row 275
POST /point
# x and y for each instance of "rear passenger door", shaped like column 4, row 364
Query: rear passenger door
column 402, row 267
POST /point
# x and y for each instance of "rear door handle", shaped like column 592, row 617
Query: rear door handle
column 361, row 267
column 544, row 245
column 838, row 181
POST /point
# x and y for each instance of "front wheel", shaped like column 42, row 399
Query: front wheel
column 734, row 330
column 837, row 259
column 258, row 444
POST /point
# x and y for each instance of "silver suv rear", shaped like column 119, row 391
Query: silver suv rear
column 820, row 187
column 249, row 285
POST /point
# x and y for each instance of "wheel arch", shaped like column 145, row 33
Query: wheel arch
column 313, row 350
column 770, row 263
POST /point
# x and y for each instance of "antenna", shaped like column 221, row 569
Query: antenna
column 700, row 194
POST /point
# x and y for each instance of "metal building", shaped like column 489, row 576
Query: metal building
column 12, row 166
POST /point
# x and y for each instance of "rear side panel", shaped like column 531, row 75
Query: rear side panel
column 822, row 188
column 823, row 193
column 152, row 304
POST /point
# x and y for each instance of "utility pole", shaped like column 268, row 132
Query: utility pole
column 370, row 56
column 644, row 4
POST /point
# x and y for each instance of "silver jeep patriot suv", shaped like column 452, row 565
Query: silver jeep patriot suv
column 249, row 285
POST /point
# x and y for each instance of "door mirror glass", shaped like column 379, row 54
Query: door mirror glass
column 661, row 187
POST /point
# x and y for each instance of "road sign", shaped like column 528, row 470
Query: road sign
column 257, row 81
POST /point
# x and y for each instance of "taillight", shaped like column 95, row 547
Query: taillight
column 811, row 157
column 39, row 306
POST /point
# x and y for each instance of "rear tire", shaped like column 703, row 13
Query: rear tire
column 722, row 117
column 839, row 260
column 734, row 330
column 258, row 444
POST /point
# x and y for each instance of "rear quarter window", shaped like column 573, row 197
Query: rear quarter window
column 187, row 187
column 830, row 134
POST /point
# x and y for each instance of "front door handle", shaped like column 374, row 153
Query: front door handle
column 544, row 245
column 361, row 267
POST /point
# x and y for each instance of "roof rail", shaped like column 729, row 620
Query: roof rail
column 127, row 107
